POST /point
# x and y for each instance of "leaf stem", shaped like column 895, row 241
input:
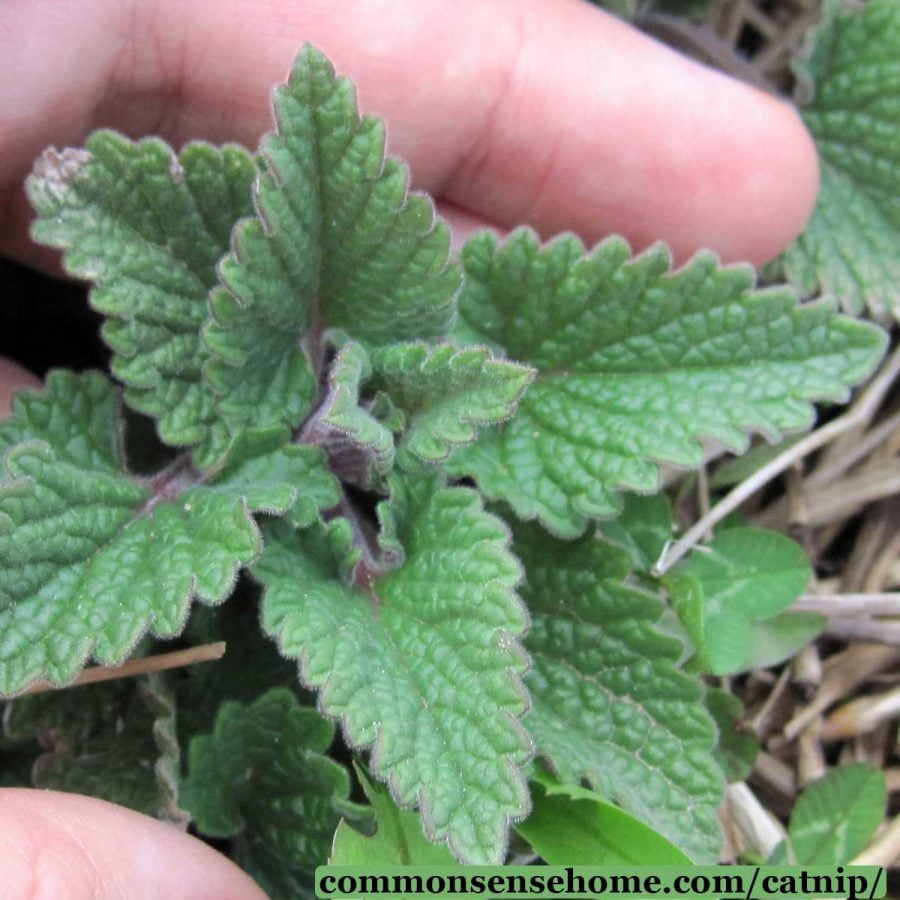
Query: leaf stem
column 140, row 666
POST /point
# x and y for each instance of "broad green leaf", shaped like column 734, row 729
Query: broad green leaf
column 398, row 839
column 849, row 90
column 608, row 704
column 781, row 637
column 733, row 471
column 572, row 826
column 642, row 529
column 737, row 748
column 262, row 777
column 836, row 816
column 743, row 576
column 421, row 662
column 91, row 557
column 148, row 227
column 638, row 365
column 338, row 242
column 113, row 741
column 445, row 393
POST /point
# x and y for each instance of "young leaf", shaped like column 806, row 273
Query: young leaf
column 836, row 816
column 743, row 576
column 636, row 365
column 262, row 776
column 114, row 741
column 149, row 228
column 338, row 242
column 398, row 838
column 90, row 557
column 444, row 393
column 422, row 662
column 572, row 826
column 608, row 704
column 849, row 82
column 643, row 529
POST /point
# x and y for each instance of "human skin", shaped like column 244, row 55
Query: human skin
column 546, row 112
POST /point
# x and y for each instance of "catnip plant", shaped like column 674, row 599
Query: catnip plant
column 432, row 479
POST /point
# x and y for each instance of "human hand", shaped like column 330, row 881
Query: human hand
column 540, row 111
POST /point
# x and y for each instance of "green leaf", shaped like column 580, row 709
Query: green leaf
column 836, row 816
column 421, row 662
column 398, row 839
column 643, row 529
column 112, row 741
column 445, row 393
column 849, row 82
column 744, row 575
column 148, row 227
column 608, row 704
column 572, row 826
column 637, row 365
column 775, row 640
column 262, row 776
column 737, row 748
column 338, row 242
column 91, row 557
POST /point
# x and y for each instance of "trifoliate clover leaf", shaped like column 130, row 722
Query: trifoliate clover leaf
column 91, row 557
column 398, row 839
column 637, row 364
column 836, row 816
column 743, row 576
column 421, row 662
column 149, row 228
column 849, row 92
column 608, row 704
column 112, row 741
column 262, row 777
column 338, row 242
column 445, row 392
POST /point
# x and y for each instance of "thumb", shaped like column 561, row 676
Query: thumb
column 12, row 377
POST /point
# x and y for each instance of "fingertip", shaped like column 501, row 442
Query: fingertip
column 12, row 378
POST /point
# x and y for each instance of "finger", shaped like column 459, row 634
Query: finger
column 12, row 378
column 62, row 845
column 548, row 112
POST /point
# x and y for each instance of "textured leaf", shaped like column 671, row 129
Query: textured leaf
column 149, row 228
column 444, row 393
column 90, row 557
column 608, row 704
column 398, row 839
column 850, row 83
column 422, row 661
column 338, row 243
column 744, row 575
column 738, row 748
column 637, row 365
column 111, row 741
column 572, row 826
column 261, row 775
column 836, row 816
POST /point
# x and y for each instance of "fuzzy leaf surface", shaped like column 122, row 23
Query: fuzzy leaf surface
column 90, row 557
column 636, row 365
column 421, row 662
column 608, row 704
column 262, row 775
column 850, row 80
column 112, row 741
column 743, row 576
column 338, row 242
column 835, row 817
column 445, row 393
column 148, row 227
